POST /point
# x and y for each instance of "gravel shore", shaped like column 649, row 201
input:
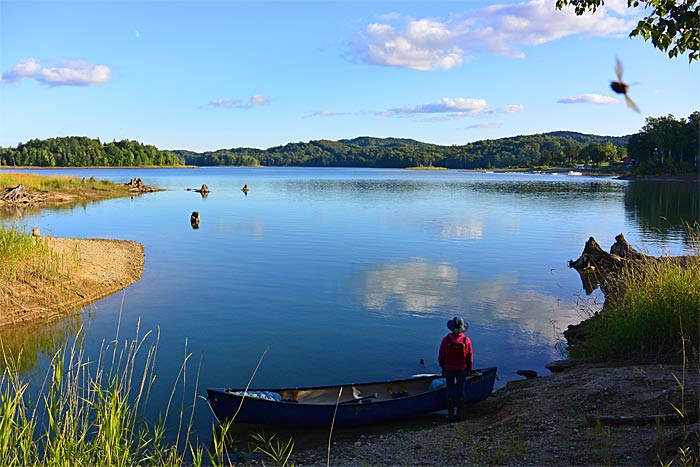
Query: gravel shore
column 557, row 420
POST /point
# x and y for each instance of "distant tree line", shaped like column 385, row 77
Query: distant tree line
column 558, row 148
column 80, row 151
column 666, row 145
column 663, row 144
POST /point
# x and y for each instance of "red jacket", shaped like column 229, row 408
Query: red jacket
column 469, row 359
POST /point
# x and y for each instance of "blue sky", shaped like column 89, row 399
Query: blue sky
column 211, row 75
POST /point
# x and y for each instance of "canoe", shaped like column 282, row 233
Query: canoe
column 349, row 404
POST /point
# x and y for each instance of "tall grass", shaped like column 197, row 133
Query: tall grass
column 67, row 183
column 655, row 307
column 87, row 412
column 28, row 265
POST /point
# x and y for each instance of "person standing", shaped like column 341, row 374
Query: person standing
column 456, row 358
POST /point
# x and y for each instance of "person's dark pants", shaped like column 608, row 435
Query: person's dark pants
column 455, row 393
column 455, row 383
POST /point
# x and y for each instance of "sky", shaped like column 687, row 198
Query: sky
column 211, row 75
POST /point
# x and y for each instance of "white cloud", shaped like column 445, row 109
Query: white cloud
column 68, row 73
column 457, row 106
column 256, row 100
column 423, row 45
column 511, row 109
column 322, row 113
column 486, row 125
column 224, row 102
column 428, row 44
column 589, row 99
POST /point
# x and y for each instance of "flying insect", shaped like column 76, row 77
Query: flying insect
column 620, row 87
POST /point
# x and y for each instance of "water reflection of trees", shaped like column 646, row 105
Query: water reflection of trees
column 526, row 188
column 18, row 211
column 662, row 208
column 27, row 343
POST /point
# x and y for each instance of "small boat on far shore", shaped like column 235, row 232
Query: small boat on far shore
column 348, row 404
column 574, row 173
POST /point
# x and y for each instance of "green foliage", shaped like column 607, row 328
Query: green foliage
column 559, row 148
column 273, row 448
column 79, row 151
column 671, row 25
column 665, row 144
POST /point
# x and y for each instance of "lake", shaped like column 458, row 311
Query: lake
column 351, row 274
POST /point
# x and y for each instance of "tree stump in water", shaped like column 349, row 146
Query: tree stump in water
column 624, row 250
column 137, row 185
column 595, row 258
column 194, row 220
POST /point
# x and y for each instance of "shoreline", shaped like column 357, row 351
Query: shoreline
column 32, row 167
column 103, row 267
column 548, row 420
column 686, row 177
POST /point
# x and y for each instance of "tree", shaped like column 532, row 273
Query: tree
column 593, row 152
column 672, row 25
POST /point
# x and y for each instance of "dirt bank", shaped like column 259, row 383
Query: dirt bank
column 100, row 268
column 552, row 420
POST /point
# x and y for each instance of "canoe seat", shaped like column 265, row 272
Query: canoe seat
column 402, row 392
column 290, row 396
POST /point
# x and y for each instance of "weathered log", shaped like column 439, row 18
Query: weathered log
column 204, row 190
column 18, row 194
column 558, row 366
column 527, row 373
column 661, row 419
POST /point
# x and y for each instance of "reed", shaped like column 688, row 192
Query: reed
column 27, row 264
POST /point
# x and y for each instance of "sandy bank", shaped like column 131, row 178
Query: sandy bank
column 100, row 268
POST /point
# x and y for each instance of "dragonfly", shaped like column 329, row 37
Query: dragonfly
column 620, row 87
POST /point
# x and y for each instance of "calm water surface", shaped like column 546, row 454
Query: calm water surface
column 351, row 274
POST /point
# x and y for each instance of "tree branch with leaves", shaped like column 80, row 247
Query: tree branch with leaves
column 672, row 25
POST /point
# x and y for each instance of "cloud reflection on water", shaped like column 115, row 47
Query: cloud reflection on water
column 502, row 305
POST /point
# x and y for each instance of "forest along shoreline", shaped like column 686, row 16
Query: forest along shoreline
column 49, row 277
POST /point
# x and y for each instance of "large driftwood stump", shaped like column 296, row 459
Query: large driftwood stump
column 137, row 185
column 18, row 195
column 624, row 250
column 594, row 258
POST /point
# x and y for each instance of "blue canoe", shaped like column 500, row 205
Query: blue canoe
column 359, row 404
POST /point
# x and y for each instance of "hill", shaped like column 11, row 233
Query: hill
column 555, row 148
